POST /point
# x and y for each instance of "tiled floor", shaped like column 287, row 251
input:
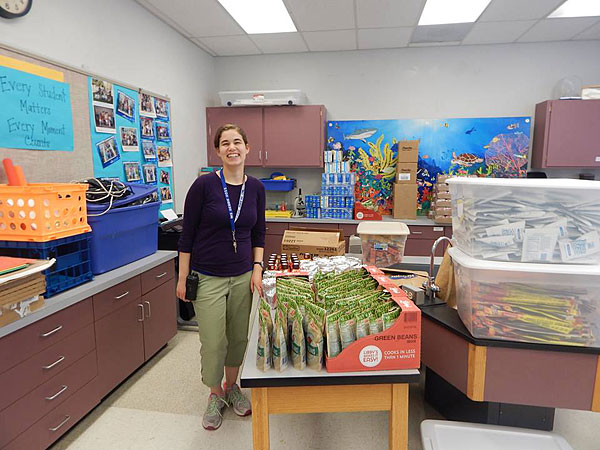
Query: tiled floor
column 161, row 406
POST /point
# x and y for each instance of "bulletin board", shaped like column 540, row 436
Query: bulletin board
column 82, row 160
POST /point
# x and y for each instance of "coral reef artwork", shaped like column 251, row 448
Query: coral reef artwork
column 485, row 147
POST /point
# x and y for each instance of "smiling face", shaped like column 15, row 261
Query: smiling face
column 232, row 148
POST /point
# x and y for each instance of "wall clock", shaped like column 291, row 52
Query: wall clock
column 11, row 9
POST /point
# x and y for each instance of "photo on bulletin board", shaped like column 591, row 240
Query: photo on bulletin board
column 165, row 178
column 149, row 173
column 149, row 150
column 129, row 139
column 162, row 109
column 104, row 118
column 132, row 171
column 147, row 108
column 164, row 156
column 102, row 92
column 165, row 194
column 162, row 131
column 147, row 127
column 125, row 106
column 108, row 152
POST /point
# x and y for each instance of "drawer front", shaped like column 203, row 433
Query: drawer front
column 276, row 227
column 157, row 276
column 426, row 232
column 115, row 297
column 63, row 417
column 46, row 364
column 24, row 343
column 422, row 247
column 26, row 441
column 25, row 412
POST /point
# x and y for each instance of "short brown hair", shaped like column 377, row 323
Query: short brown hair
column 226, row 127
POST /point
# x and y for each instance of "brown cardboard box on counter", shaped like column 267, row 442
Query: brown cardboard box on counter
column 443, row 178
column 408, row 151
column 442, row 187
column 406, row 173
column 321, row 242
column 443, row 203
column 405, row 201
column 442, row 195
column 442, row 219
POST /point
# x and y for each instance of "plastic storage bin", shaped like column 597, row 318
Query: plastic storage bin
column 42, row 212
column 540, row 303
column 72, row 254
column 527, row 220
column 278, row 185
column 382, row 242
column 123, row 235
column 447, row 435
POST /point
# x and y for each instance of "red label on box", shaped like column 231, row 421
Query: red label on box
column 362, row 213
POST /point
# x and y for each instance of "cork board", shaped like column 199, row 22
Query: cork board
column 57, row 166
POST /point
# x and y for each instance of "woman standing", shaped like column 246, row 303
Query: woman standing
column 223, row 241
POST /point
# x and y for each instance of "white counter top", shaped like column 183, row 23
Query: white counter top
column 424, row 221
column 86, row 290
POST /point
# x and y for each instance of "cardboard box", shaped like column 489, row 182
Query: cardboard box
column 443, row 203
column 408, row 151
column 362, row 213
column 443, row 178
column 405, row 201
column 591, row 92
column 442, row 195
column 442, row 219
column 442, row 187
column 442, row 211
column 321, row 242
column 406, row 173
column 21, row 297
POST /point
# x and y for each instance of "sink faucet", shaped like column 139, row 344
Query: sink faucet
column 430, row 287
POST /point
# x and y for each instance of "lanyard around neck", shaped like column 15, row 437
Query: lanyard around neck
column 232, row 219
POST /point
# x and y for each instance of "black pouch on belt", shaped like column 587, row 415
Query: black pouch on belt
column 191, row 286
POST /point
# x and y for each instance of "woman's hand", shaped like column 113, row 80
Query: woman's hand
column 181, row 289
column 256, row 280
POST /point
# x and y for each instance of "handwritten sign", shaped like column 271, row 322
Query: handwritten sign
column 35, row 112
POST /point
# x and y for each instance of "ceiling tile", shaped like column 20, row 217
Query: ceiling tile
column 441, row 33
column 198, row 17
column 497, row 32
column 229, row 45
column 557, row 29
column 319, row 15
column 502, row 10
column 591, row 33
column 384, row 37
column 388, row 13
column 280, row 43
column 325, row 41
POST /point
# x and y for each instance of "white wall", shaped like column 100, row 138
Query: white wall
column 473, row 81
column 121, row 40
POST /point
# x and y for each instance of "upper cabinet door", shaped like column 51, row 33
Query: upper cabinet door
column 573, row 134
column 294, row 136
column 250, row 119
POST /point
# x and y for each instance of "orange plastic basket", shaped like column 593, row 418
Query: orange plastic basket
column 41, row 212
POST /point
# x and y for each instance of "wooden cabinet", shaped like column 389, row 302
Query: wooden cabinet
column 160, row 319
column 421, row 239
column 273, row 237
column 279, row 136
column 566, row 134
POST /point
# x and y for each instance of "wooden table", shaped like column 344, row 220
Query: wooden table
column 308, row 391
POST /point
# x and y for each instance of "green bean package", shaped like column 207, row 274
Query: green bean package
column 263, row 350
column 280, row 353
column 298, row 341
column 334, row 345
column 314, row 343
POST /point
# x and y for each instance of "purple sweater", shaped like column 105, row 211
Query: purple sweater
column 207, row 230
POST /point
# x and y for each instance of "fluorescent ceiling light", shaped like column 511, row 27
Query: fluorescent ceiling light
column 260, row 16
column 437, row 12
column 577, row 8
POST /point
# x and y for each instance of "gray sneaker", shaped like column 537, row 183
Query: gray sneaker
column 213, row 417
column 238, row 401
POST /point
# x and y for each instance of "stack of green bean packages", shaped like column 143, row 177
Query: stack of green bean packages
column 265, row 334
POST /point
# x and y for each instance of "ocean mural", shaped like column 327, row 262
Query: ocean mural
column 486, row 147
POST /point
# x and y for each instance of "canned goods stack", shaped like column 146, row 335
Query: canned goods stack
column 336, row 200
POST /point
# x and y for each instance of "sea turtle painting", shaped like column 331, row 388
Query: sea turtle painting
column 465, row 159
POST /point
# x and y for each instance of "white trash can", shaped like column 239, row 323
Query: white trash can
column 447, row 435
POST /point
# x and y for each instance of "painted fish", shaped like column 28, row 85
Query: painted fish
column 445, row 125
column 471, row 130
column 425, row 156
column 512, row 126
column 361, row 134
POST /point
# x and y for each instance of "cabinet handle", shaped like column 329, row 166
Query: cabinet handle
column 260, row 155
column 141, row 306
column 119, row 297
column 56, row 428
column 266, row 155
column 149, row 310
column 58, row 361
column 58, row 328
column 64, row 388
column 416, row 232
column 161, row 275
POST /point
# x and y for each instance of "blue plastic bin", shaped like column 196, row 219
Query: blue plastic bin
column 278, row 185
column 123, row 235
column 72, row 254
column 138, row 190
